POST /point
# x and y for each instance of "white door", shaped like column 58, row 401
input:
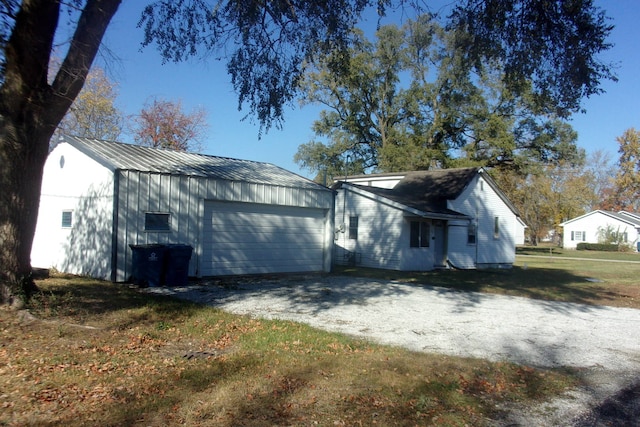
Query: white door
column 248, row 238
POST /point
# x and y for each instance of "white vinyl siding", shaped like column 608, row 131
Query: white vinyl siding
column 383, row 235
column 75, row 220
column 496, row 228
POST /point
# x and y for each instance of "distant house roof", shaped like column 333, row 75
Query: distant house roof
column 428, row 191
column 119, row 156
column 626, row 217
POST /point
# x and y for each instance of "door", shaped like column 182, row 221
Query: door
column 249, row 238
column 439, row 244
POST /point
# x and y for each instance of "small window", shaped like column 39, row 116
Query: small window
column 471, row 234
column 157, row 221
column 496, row 227
column 579, row 236
column 67, row 219
column 420, row 234
column 353, row 227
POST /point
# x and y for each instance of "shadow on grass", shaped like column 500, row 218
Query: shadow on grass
column 83, row 298
column 546, row 284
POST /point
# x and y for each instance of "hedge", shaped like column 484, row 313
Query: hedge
column 607, row 247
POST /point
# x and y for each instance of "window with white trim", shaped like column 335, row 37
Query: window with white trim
column 496, row 227
column 578, row 236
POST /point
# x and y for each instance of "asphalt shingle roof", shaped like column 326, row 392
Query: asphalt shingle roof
column 427, row 191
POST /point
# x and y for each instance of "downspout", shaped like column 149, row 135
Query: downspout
column 114, row 222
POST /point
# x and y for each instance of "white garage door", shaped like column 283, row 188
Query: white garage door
column 247, row 238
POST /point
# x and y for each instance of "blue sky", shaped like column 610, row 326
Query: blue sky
column 141, row 75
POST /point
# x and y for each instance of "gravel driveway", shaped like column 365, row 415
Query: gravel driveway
column 603, row 342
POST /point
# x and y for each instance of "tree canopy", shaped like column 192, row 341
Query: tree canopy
column 406, row 101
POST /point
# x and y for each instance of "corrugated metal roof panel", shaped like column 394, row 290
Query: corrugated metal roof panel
column 116, row 155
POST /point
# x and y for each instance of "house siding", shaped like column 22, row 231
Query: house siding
column 383, row 235
column 84, row 187
column 480, row 202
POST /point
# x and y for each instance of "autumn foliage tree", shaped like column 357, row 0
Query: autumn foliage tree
column 164, row 124
column 94, row 114
column 626, row 192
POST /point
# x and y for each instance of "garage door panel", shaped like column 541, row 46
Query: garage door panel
column 244, row 238
column 263, row 238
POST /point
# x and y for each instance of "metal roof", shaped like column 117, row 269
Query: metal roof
column 120, row 156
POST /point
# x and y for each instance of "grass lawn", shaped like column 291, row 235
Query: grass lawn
column 103, row 354
column 557, row 277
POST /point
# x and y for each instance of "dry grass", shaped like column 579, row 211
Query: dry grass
column 105, row 354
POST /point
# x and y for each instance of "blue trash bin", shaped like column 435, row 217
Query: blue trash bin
column 177, row 269
column 148, row 264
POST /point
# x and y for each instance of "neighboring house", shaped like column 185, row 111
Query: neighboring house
column 589, row 228
column 241, row 217
column 419, row 221
column 521, row 228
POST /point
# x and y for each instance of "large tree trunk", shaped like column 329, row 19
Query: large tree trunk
column 30, row 110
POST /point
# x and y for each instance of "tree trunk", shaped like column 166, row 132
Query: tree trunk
column 30, row 110
column 21, row 178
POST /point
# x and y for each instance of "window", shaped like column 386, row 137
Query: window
column 471, row 234
column 353, row 227
column 579, row 236
column 496, row 227
column 420, row 234
column 157, row 221
column 67, row 219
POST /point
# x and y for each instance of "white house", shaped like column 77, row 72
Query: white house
column 590, row 227
column 419, row 221
column 241, row 217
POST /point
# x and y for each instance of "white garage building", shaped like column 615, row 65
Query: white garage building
column 241, row 217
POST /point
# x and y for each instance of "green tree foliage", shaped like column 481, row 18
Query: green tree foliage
column 552, row 45
column 264, row 43
column 626, row 193
column 610, row 235
column 407, row 102
column 164, row 124
column 94, row 114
